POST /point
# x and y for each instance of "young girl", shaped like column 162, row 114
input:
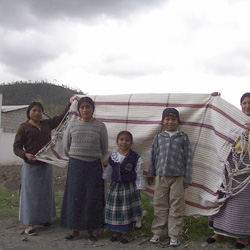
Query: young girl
column 172, row 165
column 123, row 207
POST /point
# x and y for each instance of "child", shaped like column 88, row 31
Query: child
column 172, row 165
column 123, row 207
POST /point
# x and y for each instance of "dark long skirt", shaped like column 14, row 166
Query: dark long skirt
column 83, row 201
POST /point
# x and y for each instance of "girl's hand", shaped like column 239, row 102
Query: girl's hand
column 185, row 185
column 150, row 180
column 30, row 157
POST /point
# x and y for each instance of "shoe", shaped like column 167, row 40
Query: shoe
column 116, row 236
column 240, row 245
column 155, row 239
column 211, row 240
column 126, row 238
column 47, row 225
column 31, row 232
column 92, row 237
column 174, row 243
column 72, row 237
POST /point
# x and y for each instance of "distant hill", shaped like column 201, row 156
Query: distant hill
column 23, row 93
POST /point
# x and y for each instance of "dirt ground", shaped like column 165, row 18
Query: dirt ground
column 53, row 237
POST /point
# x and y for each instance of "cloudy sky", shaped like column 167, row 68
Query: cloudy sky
column 128, row 46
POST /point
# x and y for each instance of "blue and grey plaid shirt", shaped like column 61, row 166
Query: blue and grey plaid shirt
column 171, row 156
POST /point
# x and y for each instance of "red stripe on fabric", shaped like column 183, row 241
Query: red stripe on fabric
column 56, row 154
column 198, row 205
column 226, row 115
column 151, row 104
column 204, row 188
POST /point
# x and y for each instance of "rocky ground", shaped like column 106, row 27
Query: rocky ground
column 11, row 236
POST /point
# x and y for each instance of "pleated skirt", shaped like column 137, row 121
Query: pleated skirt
column 37, row 200
column 83, row 201
column 123, row 207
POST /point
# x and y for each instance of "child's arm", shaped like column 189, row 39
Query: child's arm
column 188, row 162
column 140, row 181
column 107, row 172
column 152, row 169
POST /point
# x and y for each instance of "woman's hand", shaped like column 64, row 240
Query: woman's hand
column 71, row 99
column 30, row 157
column 248, row 126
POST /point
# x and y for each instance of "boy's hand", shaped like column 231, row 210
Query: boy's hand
column 150, row 180
column 185, row 185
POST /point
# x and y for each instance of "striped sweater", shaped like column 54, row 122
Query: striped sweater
column 86, row 141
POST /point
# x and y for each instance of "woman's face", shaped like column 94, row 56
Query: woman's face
column 86, row 111
column 36, row 114
column 245, row 106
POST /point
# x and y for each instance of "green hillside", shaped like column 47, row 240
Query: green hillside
column 53, row 97
column 22, row 93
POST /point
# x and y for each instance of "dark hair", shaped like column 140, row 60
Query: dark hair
column 33, row 104
column 244, row 96
column 88, row 100
column 124, row 133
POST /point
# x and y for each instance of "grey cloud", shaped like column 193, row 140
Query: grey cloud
column 26, row 13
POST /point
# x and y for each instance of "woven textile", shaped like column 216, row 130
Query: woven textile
column 212, row 125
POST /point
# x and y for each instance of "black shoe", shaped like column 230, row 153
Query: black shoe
column 47, row 225
column 92, row 237
column 72, row 237
column 211, row 240
column 240, row 245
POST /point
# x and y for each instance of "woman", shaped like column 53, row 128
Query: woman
column 86, row 142
column 233, row 219
column 37, row 202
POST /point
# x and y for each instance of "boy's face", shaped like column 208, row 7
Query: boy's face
column 170, row 122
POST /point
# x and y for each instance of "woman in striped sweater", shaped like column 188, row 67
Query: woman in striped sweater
column 86, row 143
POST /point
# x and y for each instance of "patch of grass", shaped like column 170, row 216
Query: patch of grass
column 9, row 204
column 195, row 228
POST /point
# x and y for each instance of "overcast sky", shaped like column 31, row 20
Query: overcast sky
column 128, row 46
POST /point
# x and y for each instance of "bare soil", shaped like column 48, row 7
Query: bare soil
column 52, row 238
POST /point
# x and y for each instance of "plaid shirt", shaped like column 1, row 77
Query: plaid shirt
column 171, row 156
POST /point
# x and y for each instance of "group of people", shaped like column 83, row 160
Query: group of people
column 84, row 208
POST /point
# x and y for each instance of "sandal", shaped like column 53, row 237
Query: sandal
column 31, row 232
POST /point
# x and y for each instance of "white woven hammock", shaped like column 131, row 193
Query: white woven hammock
column 212, row 124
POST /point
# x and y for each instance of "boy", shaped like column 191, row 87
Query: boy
column 171, row 163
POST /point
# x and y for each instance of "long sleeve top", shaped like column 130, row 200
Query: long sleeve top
column 171, row 156
column 30, row 139
column 86, row 141
column 116, row 156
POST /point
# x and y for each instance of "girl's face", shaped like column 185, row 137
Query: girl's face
column 171, row 123
column 245, row 106
column 124, row 142
column 36, row 114
column 86, row 111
